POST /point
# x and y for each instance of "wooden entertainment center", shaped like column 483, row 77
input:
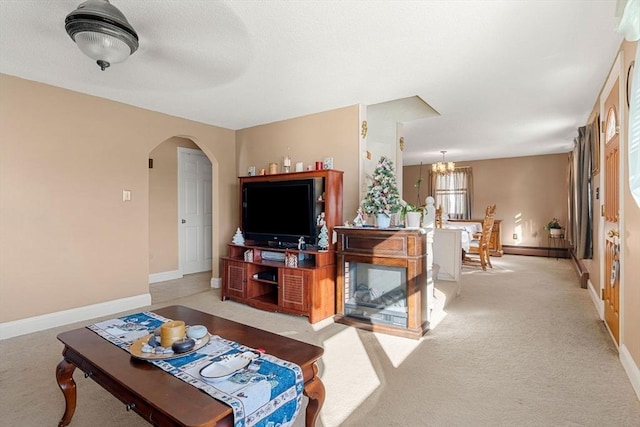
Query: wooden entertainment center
column 256, row 274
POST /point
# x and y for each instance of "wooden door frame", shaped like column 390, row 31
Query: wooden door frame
column 616, row 73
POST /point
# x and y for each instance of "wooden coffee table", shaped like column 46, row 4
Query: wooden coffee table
column 159, row 397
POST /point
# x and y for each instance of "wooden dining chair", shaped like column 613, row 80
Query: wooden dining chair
column 481, row 242
column 439, row 217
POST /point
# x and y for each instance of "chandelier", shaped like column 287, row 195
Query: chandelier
column 443, row 168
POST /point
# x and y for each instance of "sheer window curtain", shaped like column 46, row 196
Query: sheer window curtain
column 454, row 191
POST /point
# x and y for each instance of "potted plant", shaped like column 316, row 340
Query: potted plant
column 411, row 214
column 382, row 198
column 553, row 227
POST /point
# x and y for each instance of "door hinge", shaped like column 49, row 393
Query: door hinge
column 602, row 294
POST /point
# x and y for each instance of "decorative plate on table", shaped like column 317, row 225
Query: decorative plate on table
column 136, row 349
column 227, row 366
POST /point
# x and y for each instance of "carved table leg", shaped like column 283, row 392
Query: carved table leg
column 314, row 390
column 64, row 375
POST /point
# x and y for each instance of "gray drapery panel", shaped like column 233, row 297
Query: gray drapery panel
column 571, row 186
column 581, row 215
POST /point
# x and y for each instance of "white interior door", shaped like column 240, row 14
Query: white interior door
column 194, row 212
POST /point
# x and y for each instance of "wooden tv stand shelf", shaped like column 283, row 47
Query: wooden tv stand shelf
column 283, row 279
column 268, row 284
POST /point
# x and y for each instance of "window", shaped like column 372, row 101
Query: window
column 633, row 84
column 453, row 191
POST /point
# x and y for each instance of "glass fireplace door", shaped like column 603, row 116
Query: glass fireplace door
column 376, row 292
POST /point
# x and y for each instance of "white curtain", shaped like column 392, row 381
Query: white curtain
column 453, row 192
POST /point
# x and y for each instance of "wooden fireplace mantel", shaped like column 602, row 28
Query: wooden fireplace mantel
column 390, row 247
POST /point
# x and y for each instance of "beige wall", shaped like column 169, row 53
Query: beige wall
column 307, row 139
column 528, row 192
column 163, row 205
column 66, row 238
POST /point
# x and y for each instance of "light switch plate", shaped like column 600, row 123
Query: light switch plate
column 126, row 195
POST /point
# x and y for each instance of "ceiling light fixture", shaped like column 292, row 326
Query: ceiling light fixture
column 443, row 168
column 101, row 32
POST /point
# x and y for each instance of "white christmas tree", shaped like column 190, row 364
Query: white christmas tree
column 238, row 238
column 382, row 195
column 323, row 238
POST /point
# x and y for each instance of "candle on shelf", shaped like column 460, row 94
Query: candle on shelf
column 286, row 164
column 299, row 167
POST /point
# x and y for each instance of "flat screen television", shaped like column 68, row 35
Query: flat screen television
column 280, row 212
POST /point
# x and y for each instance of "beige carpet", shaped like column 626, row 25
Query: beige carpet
column 521, row 346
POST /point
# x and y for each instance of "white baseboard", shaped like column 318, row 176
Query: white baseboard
column 630, row 367
column 597, row 301
column 165, row 275
column 65, row 317
column 216, row 282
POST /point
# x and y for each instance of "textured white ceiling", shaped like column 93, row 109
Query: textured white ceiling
column 508, row 78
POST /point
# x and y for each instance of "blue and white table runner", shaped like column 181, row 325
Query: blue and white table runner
column 266, row 393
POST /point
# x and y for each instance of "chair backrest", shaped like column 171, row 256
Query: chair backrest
column 487, row 228
column 490, row 211
column 487, row 225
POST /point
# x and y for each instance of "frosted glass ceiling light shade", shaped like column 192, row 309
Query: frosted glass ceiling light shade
column 101, row 32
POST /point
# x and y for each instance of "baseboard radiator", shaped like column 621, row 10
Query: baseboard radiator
column 536, row 251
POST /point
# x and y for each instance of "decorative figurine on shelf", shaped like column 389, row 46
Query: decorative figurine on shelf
column 238, row 238
column 429, row 218
column 358, row 221
column 320, row 221
column 302, row 245
column 323, row 238
column 291, row 260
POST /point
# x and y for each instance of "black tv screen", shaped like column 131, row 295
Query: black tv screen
column 279, row 211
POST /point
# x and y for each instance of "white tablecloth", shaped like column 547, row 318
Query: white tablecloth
column 468, row 230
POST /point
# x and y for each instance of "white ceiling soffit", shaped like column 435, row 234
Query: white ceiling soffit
column 508, row 78
column 384, row 118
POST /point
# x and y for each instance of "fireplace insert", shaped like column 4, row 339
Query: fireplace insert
column 376, row 293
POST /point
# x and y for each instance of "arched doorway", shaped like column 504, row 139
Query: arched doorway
column 179, row 191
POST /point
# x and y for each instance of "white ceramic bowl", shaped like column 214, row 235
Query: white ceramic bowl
column 196, row 331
